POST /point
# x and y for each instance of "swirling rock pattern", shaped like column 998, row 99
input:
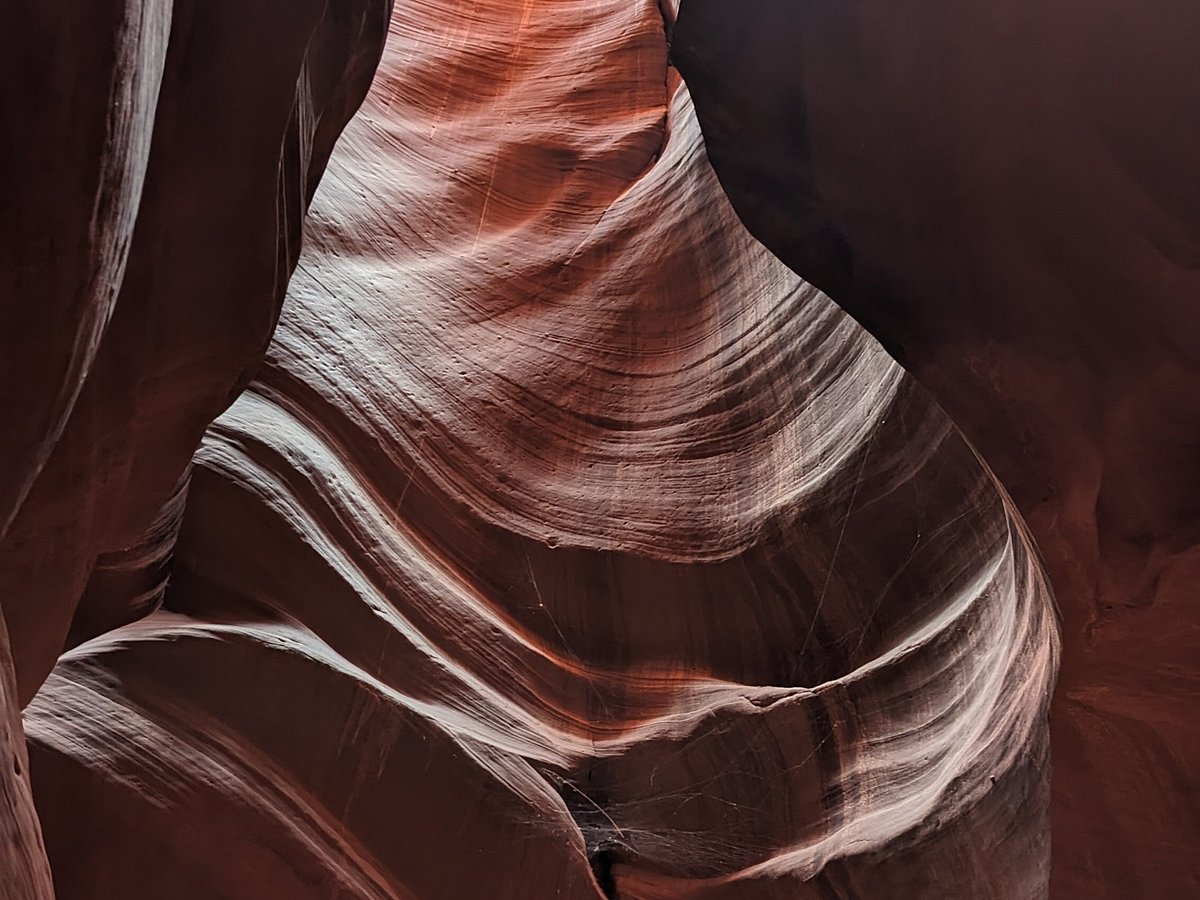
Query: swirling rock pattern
column 157, row 343
column 156, row 168
column 567, row 545
column 1005, row 194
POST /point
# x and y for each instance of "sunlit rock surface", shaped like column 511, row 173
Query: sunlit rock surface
column 567, row 545
column 1006, row 195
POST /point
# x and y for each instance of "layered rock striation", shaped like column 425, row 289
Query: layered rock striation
column 567, row 544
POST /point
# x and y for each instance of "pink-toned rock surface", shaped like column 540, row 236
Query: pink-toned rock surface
column 1006, row 195
column 567, row 545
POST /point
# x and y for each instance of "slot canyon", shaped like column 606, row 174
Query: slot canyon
column 581, row 449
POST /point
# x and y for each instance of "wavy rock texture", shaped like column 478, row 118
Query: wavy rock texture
column 568, row 545
column 24, row 870
column 156, row 168
column 1005, row 194
column 158, row 323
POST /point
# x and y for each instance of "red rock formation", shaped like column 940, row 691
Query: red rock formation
column 157, row 165
column 568, row 545
column 1005, row 194
column 165, row 342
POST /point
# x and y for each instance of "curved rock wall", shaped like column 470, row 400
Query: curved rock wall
column 162, row 322
column 567, row 545
column 1005, row 195
column 157, row 164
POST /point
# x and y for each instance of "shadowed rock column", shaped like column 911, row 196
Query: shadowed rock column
column 157, row 160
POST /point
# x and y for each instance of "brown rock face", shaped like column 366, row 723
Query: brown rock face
column 567, row 544
column 1005, row 194
column 157, row 164
column 154, row 327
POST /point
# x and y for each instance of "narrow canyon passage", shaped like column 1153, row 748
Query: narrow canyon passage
column 444, row 494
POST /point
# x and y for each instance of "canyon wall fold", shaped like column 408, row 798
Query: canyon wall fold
column 157, row 165
column 1005, row 195
column 566, row 544
column 161, row 320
